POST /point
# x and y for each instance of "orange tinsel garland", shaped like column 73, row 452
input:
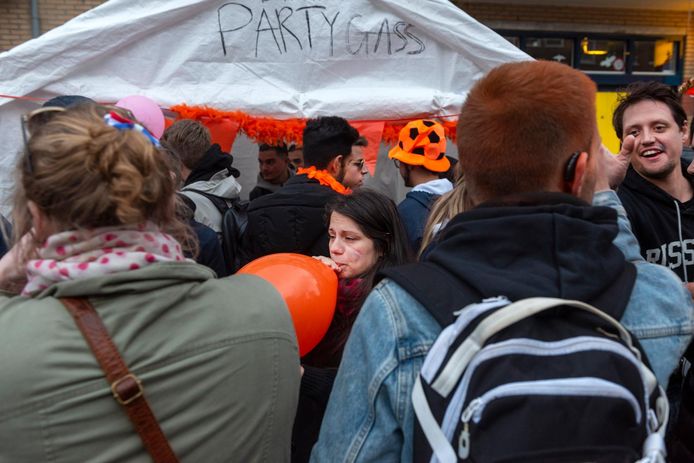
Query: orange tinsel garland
column 276, row 131
column 325, row 179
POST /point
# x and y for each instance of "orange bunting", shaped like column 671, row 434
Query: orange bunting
column 277, row 131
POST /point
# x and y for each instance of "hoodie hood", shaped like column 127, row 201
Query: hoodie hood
column 538, row 245
column 438, row 187
column 662, row 224
column 553, row 246
column 634, row 181
column 211, row 163
column 220, row 184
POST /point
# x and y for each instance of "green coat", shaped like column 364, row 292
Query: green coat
column 217, row 358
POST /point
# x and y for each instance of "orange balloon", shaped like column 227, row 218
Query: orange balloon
column 309, row 288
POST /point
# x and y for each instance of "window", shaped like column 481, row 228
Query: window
column 654, row 56
column 611, row 60
column 551, row 49
column 603, row 56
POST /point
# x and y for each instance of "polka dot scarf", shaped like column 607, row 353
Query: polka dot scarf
column 75, row 255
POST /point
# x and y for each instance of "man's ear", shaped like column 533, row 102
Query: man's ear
column 575, row 175
column 335, row 166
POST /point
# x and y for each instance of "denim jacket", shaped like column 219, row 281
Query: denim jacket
column 370, row 416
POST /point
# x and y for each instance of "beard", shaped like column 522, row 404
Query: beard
column 406, row 178
column 340, row 177
column 660, row 174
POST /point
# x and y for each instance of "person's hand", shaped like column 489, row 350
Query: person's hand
column 690, row 286
column 329, row 262
column 612, row 168
column 13, row 268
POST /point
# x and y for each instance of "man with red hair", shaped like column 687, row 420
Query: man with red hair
column 532, row 157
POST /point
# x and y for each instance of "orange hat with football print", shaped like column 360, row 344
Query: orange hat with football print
column 422, row 143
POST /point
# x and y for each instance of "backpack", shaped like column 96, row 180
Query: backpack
column 234, row 223
column 537, row 380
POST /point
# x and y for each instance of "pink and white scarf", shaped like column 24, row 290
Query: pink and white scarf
column 80, row 254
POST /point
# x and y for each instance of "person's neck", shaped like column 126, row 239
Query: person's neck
column 419, row 177
column 284, row 177
column 676, row 185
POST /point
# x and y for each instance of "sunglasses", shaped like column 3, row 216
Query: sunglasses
column 397, row 163
column 359, row 164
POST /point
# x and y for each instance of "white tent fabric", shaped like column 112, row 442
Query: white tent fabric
column 362, row 59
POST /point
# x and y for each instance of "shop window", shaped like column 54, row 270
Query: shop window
column 551, row 49
column 654, row 56
column 603, row 56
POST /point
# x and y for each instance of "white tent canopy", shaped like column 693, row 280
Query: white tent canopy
column 363, row 60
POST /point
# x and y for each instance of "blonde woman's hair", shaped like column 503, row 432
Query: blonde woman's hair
column 83, row 173
column 444, row 209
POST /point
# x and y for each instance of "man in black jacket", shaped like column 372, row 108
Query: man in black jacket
column 657, row 191
column 658, row 195
column 531, row 232
column 292, row 219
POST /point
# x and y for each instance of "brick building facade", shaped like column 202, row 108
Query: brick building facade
column 16, row 17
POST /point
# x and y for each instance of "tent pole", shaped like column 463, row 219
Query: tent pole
column 35, row 24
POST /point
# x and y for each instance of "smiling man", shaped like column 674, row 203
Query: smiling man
column 657, row 191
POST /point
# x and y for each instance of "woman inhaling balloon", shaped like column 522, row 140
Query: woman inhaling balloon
column 366, row 236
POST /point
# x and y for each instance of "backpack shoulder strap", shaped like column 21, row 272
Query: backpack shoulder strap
column 218, row 202
column 437, row 290
column 234, row 223
column 441, row 293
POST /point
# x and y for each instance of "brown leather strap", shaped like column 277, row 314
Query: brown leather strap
column 125, row 386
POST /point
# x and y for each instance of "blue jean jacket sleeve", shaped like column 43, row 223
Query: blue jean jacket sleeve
column 369, row 415
column 625, row 240
column 660, row 312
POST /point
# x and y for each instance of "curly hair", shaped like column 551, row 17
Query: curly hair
column 82, row 173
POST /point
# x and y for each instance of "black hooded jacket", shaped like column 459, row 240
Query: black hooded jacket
column 289, row 220
column 663, row 225
column 212, row 162
column 544, row 244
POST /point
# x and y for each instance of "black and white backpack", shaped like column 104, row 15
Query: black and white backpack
column 538, row 380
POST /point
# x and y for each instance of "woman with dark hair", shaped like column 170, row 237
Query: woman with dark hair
column 366, row 235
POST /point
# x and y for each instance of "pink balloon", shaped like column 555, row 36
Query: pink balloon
column 146, row 112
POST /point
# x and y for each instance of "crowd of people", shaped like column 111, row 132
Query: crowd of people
column 128, row 335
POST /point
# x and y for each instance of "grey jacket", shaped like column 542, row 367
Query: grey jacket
column 217, row 358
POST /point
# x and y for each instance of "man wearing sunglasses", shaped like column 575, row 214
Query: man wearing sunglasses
column 354, row 170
